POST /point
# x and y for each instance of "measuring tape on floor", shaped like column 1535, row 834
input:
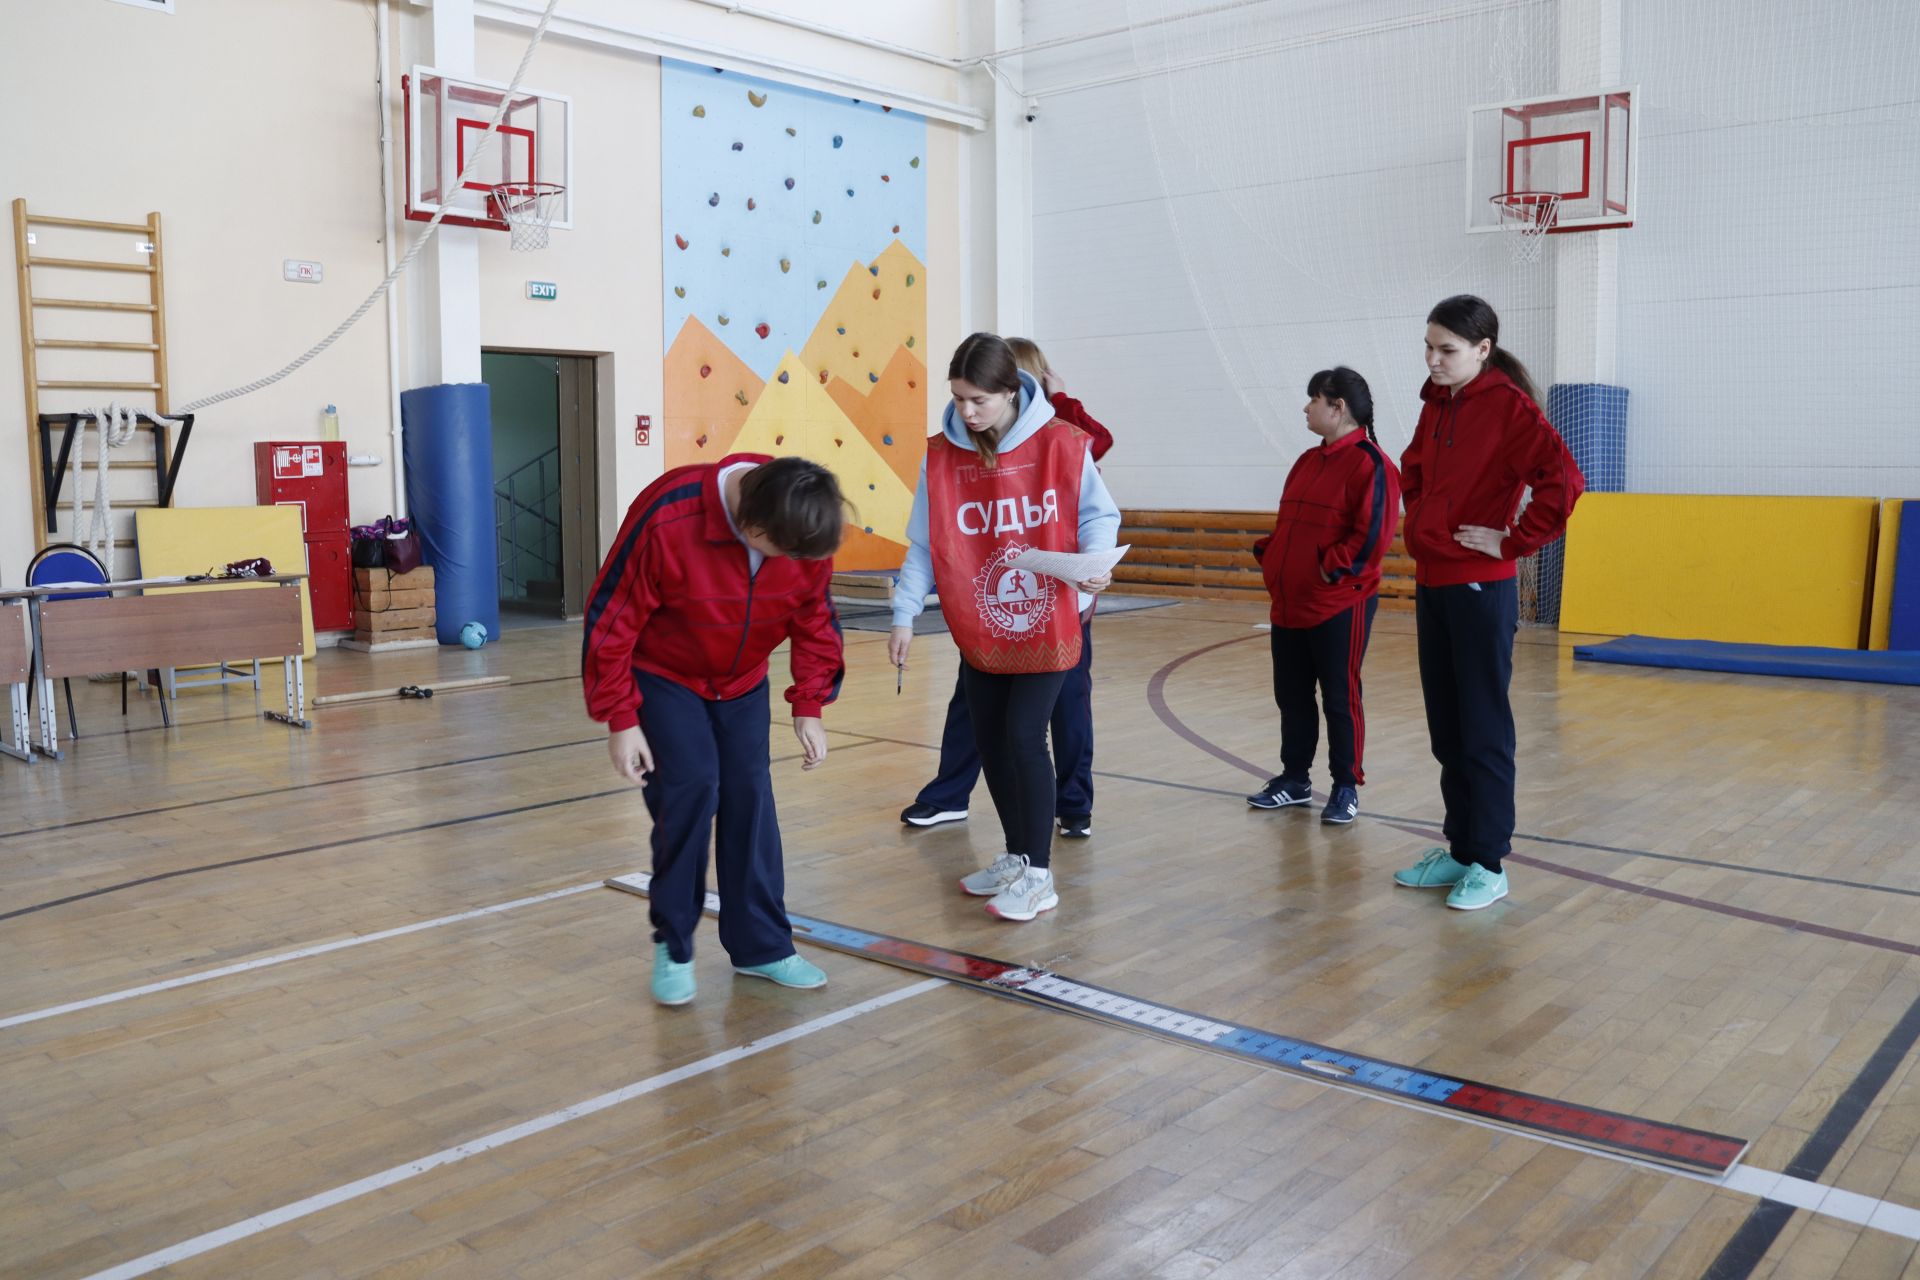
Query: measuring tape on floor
column 1675, row 1146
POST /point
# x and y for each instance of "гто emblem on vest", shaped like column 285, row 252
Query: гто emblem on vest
column 1015, row 602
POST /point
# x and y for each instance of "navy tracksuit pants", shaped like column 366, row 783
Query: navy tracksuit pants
column 1072, row 728
column 1329, row 655
column 710, row 784
column 1466, row 664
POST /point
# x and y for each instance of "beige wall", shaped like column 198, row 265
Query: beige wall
column 260, row 144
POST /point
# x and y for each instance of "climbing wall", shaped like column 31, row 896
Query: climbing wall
column 794, row 255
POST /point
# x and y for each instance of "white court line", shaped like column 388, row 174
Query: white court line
column 453, row 1155
column 262, row 962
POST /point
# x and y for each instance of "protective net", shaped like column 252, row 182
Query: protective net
column 1229, row 197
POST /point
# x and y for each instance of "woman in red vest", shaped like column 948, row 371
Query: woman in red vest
column 1004, row 476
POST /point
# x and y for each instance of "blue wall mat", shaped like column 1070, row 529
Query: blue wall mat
column 1903, row 619
column 1592, row 418
column 449, row 452
column 1868, row 665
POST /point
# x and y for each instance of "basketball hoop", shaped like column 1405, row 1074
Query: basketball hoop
column 1526, row 216
column 528, row 209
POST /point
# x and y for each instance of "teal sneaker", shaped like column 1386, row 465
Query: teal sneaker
column 1477, row 889
column 1435, row 870
column 790, row 972
column 672, row 982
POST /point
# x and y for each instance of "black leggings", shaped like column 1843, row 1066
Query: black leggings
column 1010, row 715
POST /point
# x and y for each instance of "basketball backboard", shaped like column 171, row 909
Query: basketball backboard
column 1580, row 147
column 446, row 118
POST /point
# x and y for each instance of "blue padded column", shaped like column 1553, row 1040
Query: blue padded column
column 449, row 453
column 1592, row 418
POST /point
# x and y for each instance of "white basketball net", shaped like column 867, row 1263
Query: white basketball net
column 1526, row 217
column 529, row 209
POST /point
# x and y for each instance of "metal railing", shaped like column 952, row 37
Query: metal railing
column 526, row 526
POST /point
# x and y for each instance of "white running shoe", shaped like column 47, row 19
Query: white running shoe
column 1026, row 897
column 989, row 881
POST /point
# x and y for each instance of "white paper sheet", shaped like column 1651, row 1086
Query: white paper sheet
column 1070, row 566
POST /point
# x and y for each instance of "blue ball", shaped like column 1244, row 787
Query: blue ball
column 473, row 635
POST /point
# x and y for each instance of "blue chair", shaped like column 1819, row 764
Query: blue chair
column 67, row 562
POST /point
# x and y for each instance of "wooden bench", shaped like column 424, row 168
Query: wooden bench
column 1209, row 555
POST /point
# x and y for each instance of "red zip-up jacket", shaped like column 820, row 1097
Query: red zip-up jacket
column 676, row 599
column 1337, row 515
column 1066, row 408
column 1473, row 455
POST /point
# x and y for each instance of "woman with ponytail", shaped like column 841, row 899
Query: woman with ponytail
column 1481, row 443
column 1005, row 475
column 1322, row 568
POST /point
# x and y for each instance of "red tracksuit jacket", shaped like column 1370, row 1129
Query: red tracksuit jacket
column 1472, row 457
column 1067, row 409
column 675, row 598
column 1337, row 515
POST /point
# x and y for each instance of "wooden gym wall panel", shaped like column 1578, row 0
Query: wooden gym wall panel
column 178, row 541
column 1758, row 570
column 1880, row 620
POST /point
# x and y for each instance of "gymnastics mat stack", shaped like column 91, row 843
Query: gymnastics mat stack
column 393, row 610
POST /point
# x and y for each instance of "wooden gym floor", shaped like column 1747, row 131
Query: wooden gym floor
column 1713, row 922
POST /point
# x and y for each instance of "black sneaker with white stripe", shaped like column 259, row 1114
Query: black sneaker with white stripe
column 1280, row 793
column 1343, row 806
column 925, row 815
column 1075, row 826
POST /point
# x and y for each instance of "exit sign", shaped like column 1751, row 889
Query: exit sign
column 544, row 290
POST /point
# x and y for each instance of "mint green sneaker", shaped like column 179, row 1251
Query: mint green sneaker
column 672, row 982
column 790, row 972
column 1435, row 870
column 1477, row 889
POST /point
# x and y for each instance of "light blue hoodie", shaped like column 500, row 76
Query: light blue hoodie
column 1099, row 517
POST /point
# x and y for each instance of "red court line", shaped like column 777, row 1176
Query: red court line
column 1157, row 699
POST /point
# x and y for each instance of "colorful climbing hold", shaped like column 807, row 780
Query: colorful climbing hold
column 816, row 217
column 849, row 192
column 700, row 113
column 680, row 241
column 679, row 291
column 886, row 177
column 722, row 317
column 915, row 162
column 837, row 140
column 869, row 528
column 783, row 377
column 705, row 369
column 726, row 251
column 739, row 146
column 838, row 443
column 789, row 184
column 872, row 376
column 713, row 201
column 911, row 384
column 909, row 342
column 909, row 279
column 874, row 270
column 701, row 441
column 856, row 355
column 762, row 329
column 870, row 488
column 785, row 266
column 876, row 295
column 896, row 228
column 780, row 439
column 819, row 284
column 886, row 439
column 792, row 132
column 823, row 377
column 741, row 396
column 841, row 330
column 751, row 206
column 757, row 99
